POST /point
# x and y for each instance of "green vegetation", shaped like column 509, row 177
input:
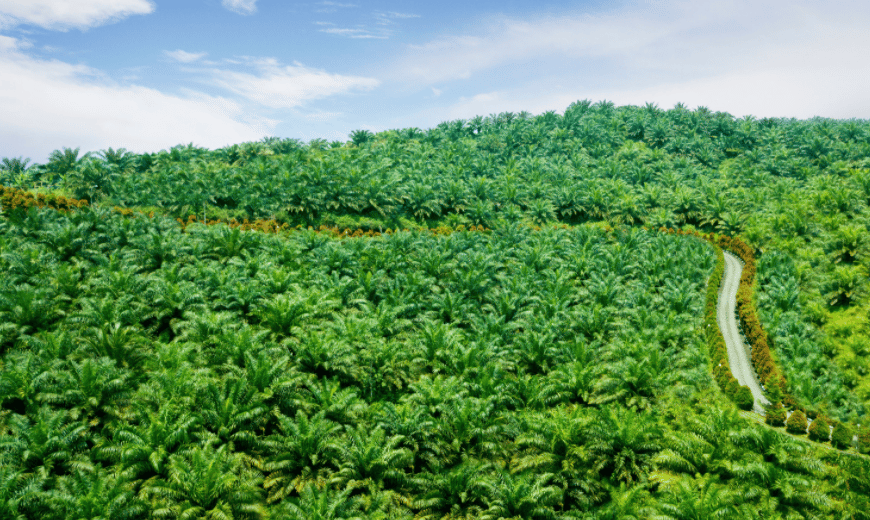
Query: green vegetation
column 820, row 430
column 797, row 423
column 864, row 440
column 841, row 436
column 797, row 190
column 743, row 399
column 556, row 362
column 775, row 415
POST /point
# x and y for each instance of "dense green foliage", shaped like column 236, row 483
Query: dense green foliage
column 535, row 371
column 820, row 430
column 799, row 190
column 775, row 415
column 222, row 370
column 797, row 423
column 864, row 439
column 841, row 436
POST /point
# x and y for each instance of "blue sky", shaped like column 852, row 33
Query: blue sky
column 149, row 74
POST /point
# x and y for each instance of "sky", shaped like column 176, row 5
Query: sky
column 147, row 75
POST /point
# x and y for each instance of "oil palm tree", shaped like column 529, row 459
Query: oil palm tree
column 322, row 504
column 232, row 412
column 69, row 239
column 47, row 445
column 20, row 495
column 207, row 483
column 97, row 495
column 90, row 179
column 570, row 383
column 298, row 455
column 103, row 313
column 25, row 310
column 780, row 491
column 622, row 443
column 418, row 431
column 341, row 405
column 284, row 314
column 853, row 484
column 26, row 375
column 369, row 459
column 325, row 356
column 95, row 390
column 450, row 306
column 169, row 300
column 697, row 499
column 122, row 344
column 14, row 165
column 475, row 427
column 536, row 352
column 225, row 242
column 423, row 202
column 60, row 162
column 627, row 503
column 456, row 492
column 844, row 284
column 142, row 449
column 634, row 382
column 520, row 496
column 122, row 158
column 554, row 443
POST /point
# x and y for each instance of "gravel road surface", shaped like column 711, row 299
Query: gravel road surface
column 738, row 351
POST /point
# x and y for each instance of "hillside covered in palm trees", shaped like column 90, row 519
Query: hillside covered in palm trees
column 487, row 319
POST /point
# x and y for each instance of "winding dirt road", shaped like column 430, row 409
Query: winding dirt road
column 738, row 351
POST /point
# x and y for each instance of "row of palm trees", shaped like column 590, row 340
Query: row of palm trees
column 509, row 160
column 220, row 373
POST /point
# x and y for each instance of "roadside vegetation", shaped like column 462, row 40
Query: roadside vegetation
column 480, row 320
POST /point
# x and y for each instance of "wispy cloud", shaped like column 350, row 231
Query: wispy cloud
column 332, row 7
column 382, row 22
column 64, row 15
column 184, row 56
column 320, row 115
column 34, row 119
column 241, row 6
column 778, row 92
column 506, row 40
column 357, row 32
column 389, row 18
column 799, row 58
column 287, row 86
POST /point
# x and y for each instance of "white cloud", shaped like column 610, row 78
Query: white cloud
column 389, row 16
column 184, row 56
column 49, row 104
column 241, row 6
column 337, row 4
column 320, row 115
column 66, row 14
column 358, row 33
column 778, row 92
column 331, row 7
column 677, row 35
column 797, row 58
column 382, row 21
column 388, row 19
column 505, row 41
column 287, row 86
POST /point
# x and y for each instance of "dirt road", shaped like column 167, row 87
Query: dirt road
column 738, row 351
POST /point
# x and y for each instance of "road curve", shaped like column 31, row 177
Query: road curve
column 739, row 356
